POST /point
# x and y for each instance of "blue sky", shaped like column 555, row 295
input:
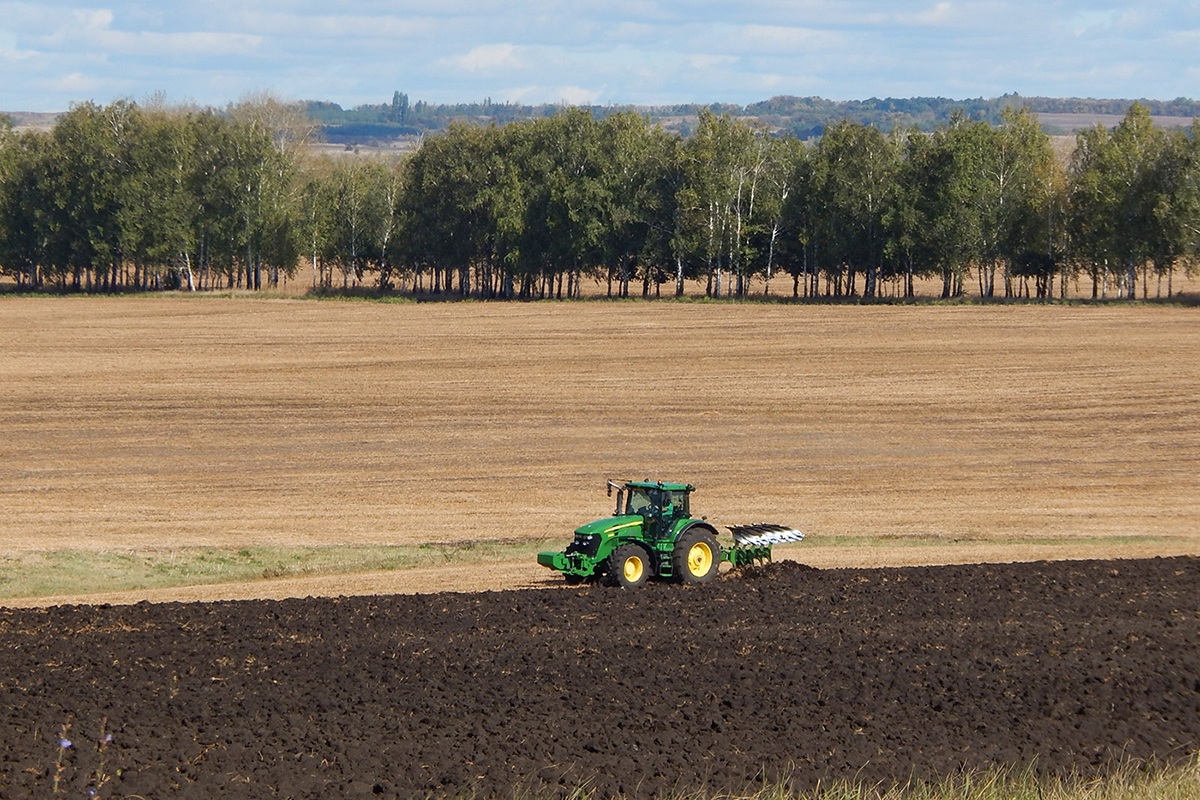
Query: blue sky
column 591, row 51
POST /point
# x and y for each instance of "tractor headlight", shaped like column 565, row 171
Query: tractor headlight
column 588, row 544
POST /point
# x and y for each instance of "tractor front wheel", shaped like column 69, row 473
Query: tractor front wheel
column 628, row 566
column 696, row 557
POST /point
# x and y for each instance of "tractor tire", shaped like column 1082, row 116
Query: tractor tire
column 697, row 556
column 628, row 566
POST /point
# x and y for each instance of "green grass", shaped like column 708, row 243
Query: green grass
column 70, row 572
column 1130, row 782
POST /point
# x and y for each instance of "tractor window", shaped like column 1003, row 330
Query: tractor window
column 639, row 501
column 678, row 502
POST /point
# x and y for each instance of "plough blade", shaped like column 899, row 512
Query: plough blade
column 763, row 533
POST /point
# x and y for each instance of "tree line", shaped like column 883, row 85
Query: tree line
column 802, row 117
column 124, row 197
column 807, row 117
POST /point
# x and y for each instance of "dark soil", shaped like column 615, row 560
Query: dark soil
column 783, row 673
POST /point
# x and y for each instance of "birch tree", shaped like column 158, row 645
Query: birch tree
column 857, row 170
column 1114, row 192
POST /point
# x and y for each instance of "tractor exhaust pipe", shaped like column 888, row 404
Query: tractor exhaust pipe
column 620, row 496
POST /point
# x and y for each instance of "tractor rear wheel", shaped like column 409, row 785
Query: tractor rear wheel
column 696, row 557
column 628, row 566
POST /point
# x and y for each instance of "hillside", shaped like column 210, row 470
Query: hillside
column 31, row 120
column 804, row 117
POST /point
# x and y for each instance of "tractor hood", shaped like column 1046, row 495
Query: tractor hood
column 610, row 526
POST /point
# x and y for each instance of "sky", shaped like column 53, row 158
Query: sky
column 591, row 52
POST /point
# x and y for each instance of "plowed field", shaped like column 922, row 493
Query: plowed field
column 782, row 674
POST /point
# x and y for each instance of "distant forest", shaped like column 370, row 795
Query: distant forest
column 800, row 117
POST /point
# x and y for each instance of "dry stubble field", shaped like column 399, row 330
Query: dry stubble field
column 892, row 435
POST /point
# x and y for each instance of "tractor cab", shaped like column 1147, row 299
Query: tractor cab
column 659, row 504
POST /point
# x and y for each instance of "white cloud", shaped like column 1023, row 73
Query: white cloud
column 95, row 28
column 76, row 83
column 486, row 58
column 92, row 19
column 578, row 95
column 519, row 94
column 338, row 26
column 632, row 32
column 939, row 14
column 646, row 51
column 1085, row 22
column 708, row 62
column 758, row 39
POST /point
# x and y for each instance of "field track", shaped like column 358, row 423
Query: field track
column 982, row 433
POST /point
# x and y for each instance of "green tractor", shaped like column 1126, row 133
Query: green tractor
column 652, row 534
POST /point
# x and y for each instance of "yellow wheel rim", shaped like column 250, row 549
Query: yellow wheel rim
column 633, row 569
column 700, row 559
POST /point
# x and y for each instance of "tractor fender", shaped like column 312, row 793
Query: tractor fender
column 694, row 524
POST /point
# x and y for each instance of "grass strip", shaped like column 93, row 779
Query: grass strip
column 50, row 573
column 58, row 572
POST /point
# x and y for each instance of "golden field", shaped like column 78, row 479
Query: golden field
column 890, row 434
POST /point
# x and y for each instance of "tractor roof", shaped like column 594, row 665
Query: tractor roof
column 671, row 487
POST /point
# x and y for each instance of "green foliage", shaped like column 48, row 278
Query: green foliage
column 857, row 169
column 347, row 219
column 978, row 195
column 118, row 197
column 721, row 168
column 1125, row 185
column 122, row 197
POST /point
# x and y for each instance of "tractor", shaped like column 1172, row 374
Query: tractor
column 652, row 534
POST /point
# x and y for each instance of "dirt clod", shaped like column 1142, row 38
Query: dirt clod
column 772, row 571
